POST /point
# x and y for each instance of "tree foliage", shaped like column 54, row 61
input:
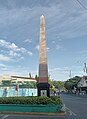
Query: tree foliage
column 72, row 82
column 6, row 82
column 55, row 84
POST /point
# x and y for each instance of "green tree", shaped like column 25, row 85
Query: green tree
column 55, row 84
column 72, row 82
column 58, row 84
column 37, row 78
column 6, row 82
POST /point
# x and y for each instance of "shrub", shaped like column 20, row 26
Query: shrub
column 30, row 100
column 56, row 99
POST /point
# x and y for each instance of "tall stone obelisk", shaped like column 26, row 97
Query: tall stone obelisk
column 43, row 85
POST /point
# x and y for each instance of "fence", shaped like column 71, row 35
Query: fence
column 9, row 91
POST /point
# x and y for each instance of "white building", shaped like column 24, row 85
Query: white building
column 82, row 84
column 5, row 78
column 20, row 79
column 16, row 79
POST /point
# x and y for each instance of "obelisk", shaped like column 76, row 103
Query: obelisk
column 43, row 85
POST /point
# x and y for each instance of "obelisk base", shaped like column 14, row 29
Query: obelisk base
column 43, row 89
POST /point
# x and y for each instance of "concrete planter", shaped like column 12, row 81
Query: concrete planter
column 30, row 108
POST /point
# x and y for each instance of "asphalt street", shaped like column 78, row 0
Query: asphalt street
column 76, row 107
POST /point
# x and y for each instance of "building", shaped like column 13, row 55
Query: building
column 5, row 78
column 21, row 80
column 16, row 79
column 82, row 84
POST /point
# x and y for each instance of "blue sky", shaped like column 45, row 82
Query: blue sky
column 66, row 35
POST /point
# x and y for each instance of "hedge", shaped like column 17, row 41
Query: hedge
column 30, row 100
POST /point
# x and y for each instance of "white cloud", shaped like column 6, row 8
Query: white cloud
column 14, row 50
column 66, row 19
column 58, row 73
column 55, row 69
column 4, row 43
column 59, row 39
column 37, row 47
column 8, row 45
column 53, row 42
column 58, row 47
column 28, row 41
column 65, row 72
column 29, row 53
column 12, row 46
column 13, row 54
column 25, row 51
column 4, row 69
column 63, row 69
column 2, row 65
column 67, row 24
column 4, row 58
column 48, row 48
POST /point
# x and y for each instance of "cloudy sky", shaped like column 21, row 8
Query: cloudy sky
column 66, row 35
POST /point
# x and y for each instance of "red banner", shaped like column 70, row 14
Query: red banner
column 17, row 87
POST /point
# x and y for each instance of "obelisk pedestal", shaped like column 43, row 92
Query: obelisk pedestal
column 43, row 85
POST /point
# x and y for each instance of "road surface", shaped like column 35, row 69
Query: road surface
column 76, row 105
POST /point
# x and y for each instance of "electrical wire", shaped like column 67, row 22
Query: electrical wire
column 81, row 4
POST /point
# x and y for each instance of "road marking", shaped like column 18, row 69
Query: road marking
column 5, row 116
column 70, row 112
column 64, row 108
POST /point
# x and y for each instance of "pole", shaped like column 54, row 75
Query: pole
column 85, row 68
column 17, row 88
column 70, row 73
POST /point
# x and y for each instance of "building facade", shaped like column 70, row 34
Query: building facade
column 82, row 84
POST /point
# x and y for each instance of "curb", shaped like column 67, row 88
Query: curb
column 36, row 113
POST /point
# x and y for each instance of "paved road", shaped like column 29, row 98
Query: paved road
column 76, row 107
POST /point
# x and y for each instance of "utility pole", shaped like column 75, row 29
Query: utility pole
column 85, row 68
column 70, row 73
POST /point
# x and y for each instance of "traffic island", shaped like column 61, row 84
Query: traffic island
column 31, row 105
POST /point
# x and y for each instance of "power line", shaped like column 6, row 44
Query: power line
column 82, row 4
